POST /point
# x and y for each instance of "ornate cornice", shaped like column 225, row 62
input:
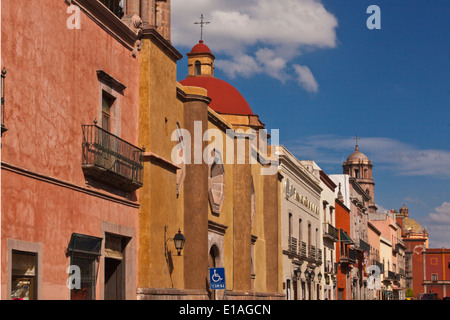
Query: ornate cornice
column 217, row 227
column 187, row 97
column 150, row 32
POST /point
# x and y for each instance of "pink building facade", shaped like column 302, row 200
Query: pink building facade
column 69, row 170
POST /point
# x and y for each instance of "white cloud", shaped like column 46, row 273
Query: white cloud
column 264, row 33
column 306, row 78
column 438, row 226
column 389, row 154
column 441, row 214
column 243, row 65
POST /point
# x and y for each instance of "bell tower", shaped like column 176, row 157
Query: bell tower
column 359, row 166
column 201, row 61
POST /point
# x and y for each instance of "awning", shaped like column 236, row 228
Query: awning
column 345, row 238
column 82, row 243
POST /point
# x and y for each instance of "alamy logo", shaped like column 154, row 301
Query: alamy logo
column 189, row 147
column 373, row 281
column 74, row 280
column 74, row 21
column 374, row 21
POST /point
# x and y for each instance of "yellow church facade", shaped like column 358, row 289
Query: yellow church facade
column 219, row 198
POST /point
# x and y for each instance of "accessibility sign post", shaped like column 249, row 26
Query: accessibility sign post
column 217, row 279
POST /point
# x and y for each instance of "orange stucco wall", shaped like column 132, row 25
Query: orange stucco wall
column 342, row 221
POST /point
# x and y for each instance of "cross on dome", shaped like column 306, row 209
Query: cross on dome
column 202, row 23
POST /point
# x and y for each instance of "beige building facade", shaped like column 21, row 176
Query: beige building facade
column 301, row 229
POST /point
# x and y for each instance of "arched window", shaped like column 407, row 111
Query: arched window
column 214, row 257
column 198, row 68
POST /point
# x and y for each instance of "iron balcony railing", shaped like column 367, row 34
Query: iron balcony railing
column 352, row 254
column 319, row 255
column 292, row 245
column 348, row 255
column 396, row 248
column 330, row 232
column 111, row 159
column 303, row 249
column 312, row 252
column 2, row 101
column 390, row 275
column 364, row 246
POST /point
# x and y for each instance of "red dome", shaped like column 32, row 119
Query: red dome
column 200, row 47
column 224, row 97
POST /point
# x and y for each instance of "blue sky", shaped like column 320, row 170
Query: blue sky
column 315, row 71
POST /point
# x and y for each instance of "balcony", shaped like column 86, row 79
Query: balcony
column 328, row 267
column 292, row 243
column 390, row 276
column 312, row 252
column 395, row 249
column 330, row 232
column 111, row 160
column 303, row 249
column 319, row 256
column 348, row 257
column 2, row 111
column 364, row 246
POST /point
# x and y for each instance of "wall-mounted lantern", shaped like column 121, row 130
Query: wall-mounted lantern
column 178, row 241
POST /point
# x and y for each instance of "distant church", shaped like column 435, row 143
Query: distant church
column 359, row 166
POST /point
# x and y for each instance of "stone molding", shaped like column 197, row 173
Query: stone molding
column 65, row 184
column 171, row 294
column 151, row 33
column 108, row 21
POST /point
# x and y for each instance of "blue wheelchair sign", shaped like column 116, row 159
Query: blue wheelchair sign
column 217, row 278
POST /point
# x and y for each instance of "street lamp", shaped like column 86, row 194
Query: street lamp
column 297, row 273
column 178, row 241
column 319, row 276
column 307, row 275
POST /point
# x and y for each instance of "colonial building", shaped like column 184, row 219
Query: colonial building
column 374, row 267
column 357, row 200
column 301, row 229
column 345, row 253
column 227, row 209
column 71, row 162
column 329, row 233
column 392, row 255
column 436, row 270
column 415, row 238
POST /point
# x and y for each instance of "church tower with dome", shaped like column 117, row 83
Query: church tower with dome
column 359, row 167
column 226, row 99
